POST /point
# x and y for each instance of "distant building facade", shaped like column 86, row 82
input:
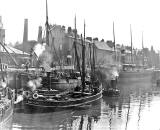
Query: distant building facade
column 62, row 41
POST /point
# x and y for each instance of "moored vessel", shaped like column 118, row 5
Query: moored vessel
column 43, row 94
column 7, row 98
column 135, row 72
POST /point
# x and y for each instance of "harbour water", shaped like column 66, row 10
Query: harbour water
column 137, row 108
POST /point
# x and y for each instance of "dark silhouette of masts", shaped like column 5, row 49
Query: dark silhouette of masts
column 75, row 47
column 131, row 45
column 83, row 60
column 114, row 38
column 142, row 50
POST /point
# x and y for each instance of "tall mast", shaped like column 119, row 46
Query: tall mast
column 47, row 40
column 114, row 43
column 47, row 35
column 47, row 25
column 75, row 47
column 114, row 38
column 131, row 44
column 142, row 50
column 93, row 64
column 83, row 60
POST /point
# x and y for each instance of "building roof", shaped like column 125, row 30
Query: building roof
column 100, row 45
column 12, row 50
column 103, row 46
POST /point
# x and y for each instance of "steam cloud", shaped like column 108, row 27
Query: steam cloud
column 39, row 48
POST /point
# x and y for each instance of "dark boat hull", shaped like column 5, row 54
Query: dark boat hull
column 63, row 104
column 111, row 93
column 155, row 76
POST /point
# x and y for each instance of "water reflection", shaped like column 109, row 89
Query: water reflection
column 137, row 108
column 77, row 119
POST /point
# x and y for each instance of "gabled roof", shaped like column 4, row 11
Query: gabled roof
column 103, row 46
column 13, row 50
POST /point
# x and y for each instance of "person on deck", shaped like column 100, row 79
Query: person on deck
column 27, row 65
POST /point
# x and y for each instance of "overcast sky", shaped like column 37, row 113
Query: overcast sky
column 143, row 15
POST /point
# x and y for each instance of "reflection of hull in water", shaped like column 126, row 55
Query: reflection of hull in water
column 135, row 76
column 66, row 119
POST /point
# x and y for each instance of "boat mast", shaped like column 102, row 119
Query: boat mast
column 93, row 64
column 90, row 55
column 142, row 50
column 47, row 25
column 131, row 45
column 114, row 38
column 114, row 43
column 75, row 47
column 48, row 30
column 47, row 41
column 83, row 60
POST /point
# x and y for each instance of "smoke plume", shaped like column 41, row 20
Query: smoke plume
column 39, row 48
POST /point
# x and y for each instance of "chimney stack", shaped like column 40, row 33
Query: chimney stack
column 25, row 33
column 40, row 35
column 2, row 34
column 1, row 24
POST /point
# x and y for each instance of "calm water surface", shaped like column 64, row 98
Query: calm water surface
column 137, row 108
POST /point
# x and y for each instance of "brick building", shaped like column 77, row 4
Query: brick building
column 62, row 41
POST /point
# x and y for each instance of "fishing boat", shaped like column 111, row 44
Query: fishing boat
column 135, row 75
column 111, row 89
column 111, row 92
column 56, row 74
column 86, row 93
column 7, row 98
column 132, row 72
column 7, row 95
column 40, row 95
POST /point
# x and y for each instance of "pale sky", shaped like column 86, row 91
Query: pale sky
column 143, row 15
